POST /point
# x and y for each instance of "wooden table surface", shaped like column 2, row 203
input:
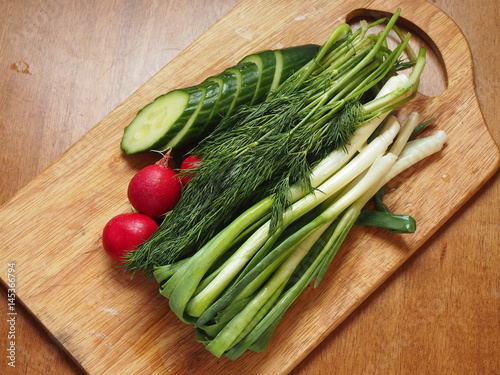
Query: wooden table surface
column 65, row 65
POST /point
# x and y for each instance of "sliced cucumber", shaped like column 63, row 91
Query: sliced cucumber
column 185, row 115
column 214, row 93
column 160, row 120
column 210, row 100
column 235, row 86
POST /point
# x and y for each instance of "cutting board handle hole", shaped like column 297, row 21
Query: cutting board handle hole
column 434, row 79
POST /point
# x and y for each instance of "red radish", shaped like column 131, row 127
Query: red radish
column 155, row 189
column 190, row 163
column 124, row 232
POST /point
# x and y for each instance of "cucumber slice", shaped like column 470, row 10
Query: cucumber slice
column 266, row 64
column 277, row 71
column 228, row 81
column 207, row 111
column 161, row 120
column 179, row 138
column 248, row 78
column 200, row 118
column 212, row 97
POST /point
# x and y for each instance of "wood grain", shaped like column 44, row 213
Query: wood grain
column 390, row 356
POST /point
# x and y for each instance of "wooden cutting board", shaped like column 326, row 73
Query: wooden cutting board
column 111, row 324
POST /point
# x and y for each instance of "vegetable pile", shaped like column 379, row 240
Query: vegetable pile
column 266, row 149
column 279, row 184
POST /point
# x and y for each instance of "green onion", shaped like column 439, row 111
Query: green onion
column 262, row 289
